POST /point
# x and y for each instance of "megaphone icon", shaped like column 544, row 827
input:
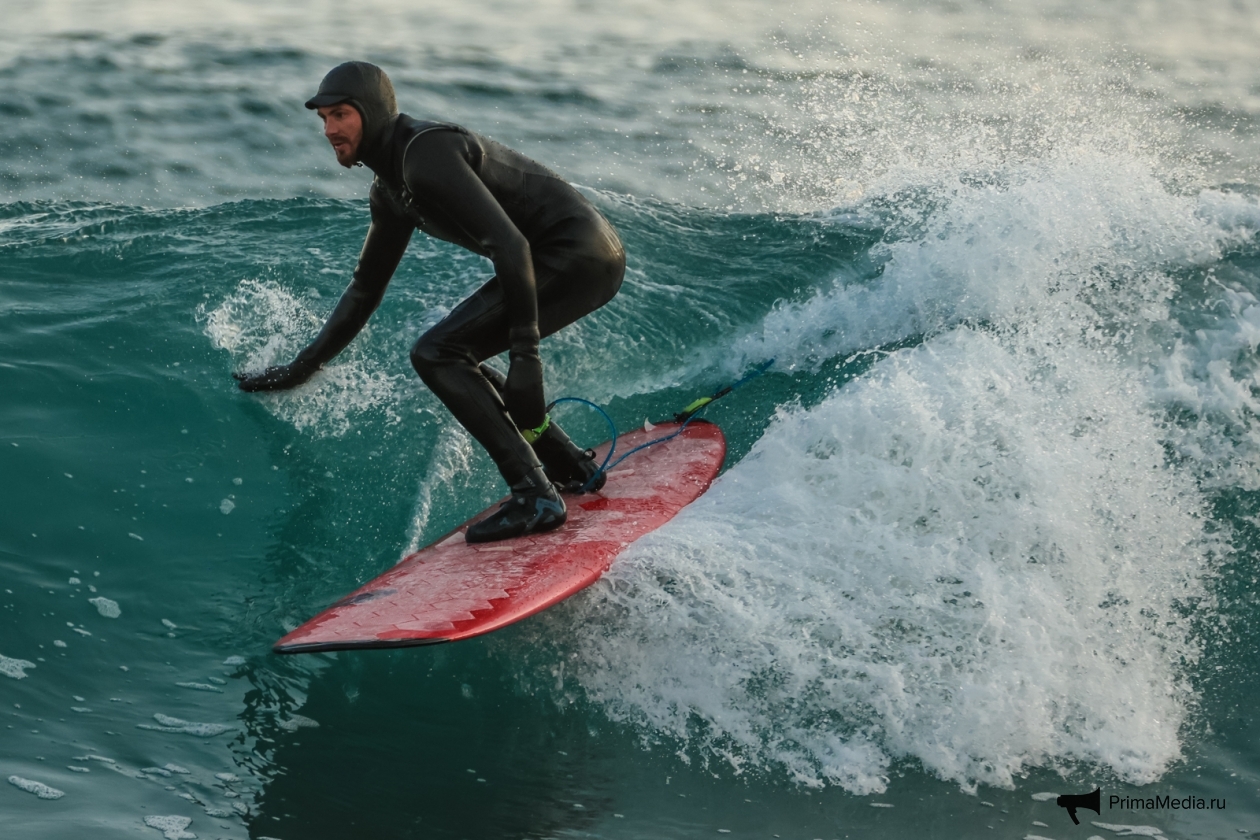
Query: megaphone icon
column 1072, row 801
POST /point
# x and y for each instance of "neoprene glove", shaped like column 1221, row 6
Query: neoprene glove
column 523, row 395
column 279, row 378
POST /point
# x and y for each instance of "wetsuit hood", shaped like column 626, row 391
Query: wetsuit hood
column 366, row 87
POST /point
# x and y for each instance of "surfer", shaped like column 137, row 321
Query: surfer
column 555, row 260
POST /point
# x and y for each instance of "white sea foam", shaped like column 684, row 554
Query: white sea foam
column 295, row 722
column 262, row 324
column 196, row 686
column 166, row 723
column 993, row 586
column 172, row 827
column 976, row 555
column 40, row 789
column 14, row 668
column 106, row 607
column 1213, row 372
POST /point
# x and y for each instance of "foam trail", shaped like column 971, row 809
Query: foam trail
column 40, row 789
column 166, row 723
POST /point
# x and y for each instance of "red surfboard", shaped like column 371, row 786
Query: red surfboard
column 452, row 590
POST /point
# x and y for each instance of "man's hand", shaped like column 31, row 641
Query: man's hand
column 279, row 378
column 523, row 395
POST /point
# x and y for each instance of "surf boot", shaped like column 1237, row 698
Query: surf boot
column 569, row 468
column 533, row 508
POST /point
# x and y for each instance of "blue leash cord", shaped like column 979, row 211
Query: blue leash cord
column 611, row 425
column 684, row 418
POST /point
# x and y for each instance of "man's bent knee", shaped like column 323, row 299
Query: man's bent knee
column 426, row 356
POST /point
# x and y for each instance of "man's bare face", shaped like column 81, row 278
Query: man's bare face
column 344, row 129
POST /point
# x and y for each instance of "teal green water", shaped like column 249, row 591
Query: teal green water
column 988, row 526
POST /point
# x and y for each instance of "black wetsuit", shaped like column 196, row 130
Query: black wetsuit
column 555, row 259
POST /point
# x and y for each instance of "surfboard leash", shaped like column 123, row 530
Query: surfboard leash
column 686, row 414
column 684, row 418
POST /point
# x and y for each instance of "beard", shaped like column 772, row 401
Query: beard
column 347, row 152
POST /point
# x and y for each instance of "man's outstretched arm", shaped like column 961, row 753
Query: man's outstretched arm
column 382, row 250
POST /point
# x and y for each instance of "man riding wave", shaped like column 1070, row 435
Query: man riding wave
column 555, row 260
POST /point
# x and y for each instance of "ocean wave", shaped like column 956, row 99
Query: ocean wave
column 962, row 558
